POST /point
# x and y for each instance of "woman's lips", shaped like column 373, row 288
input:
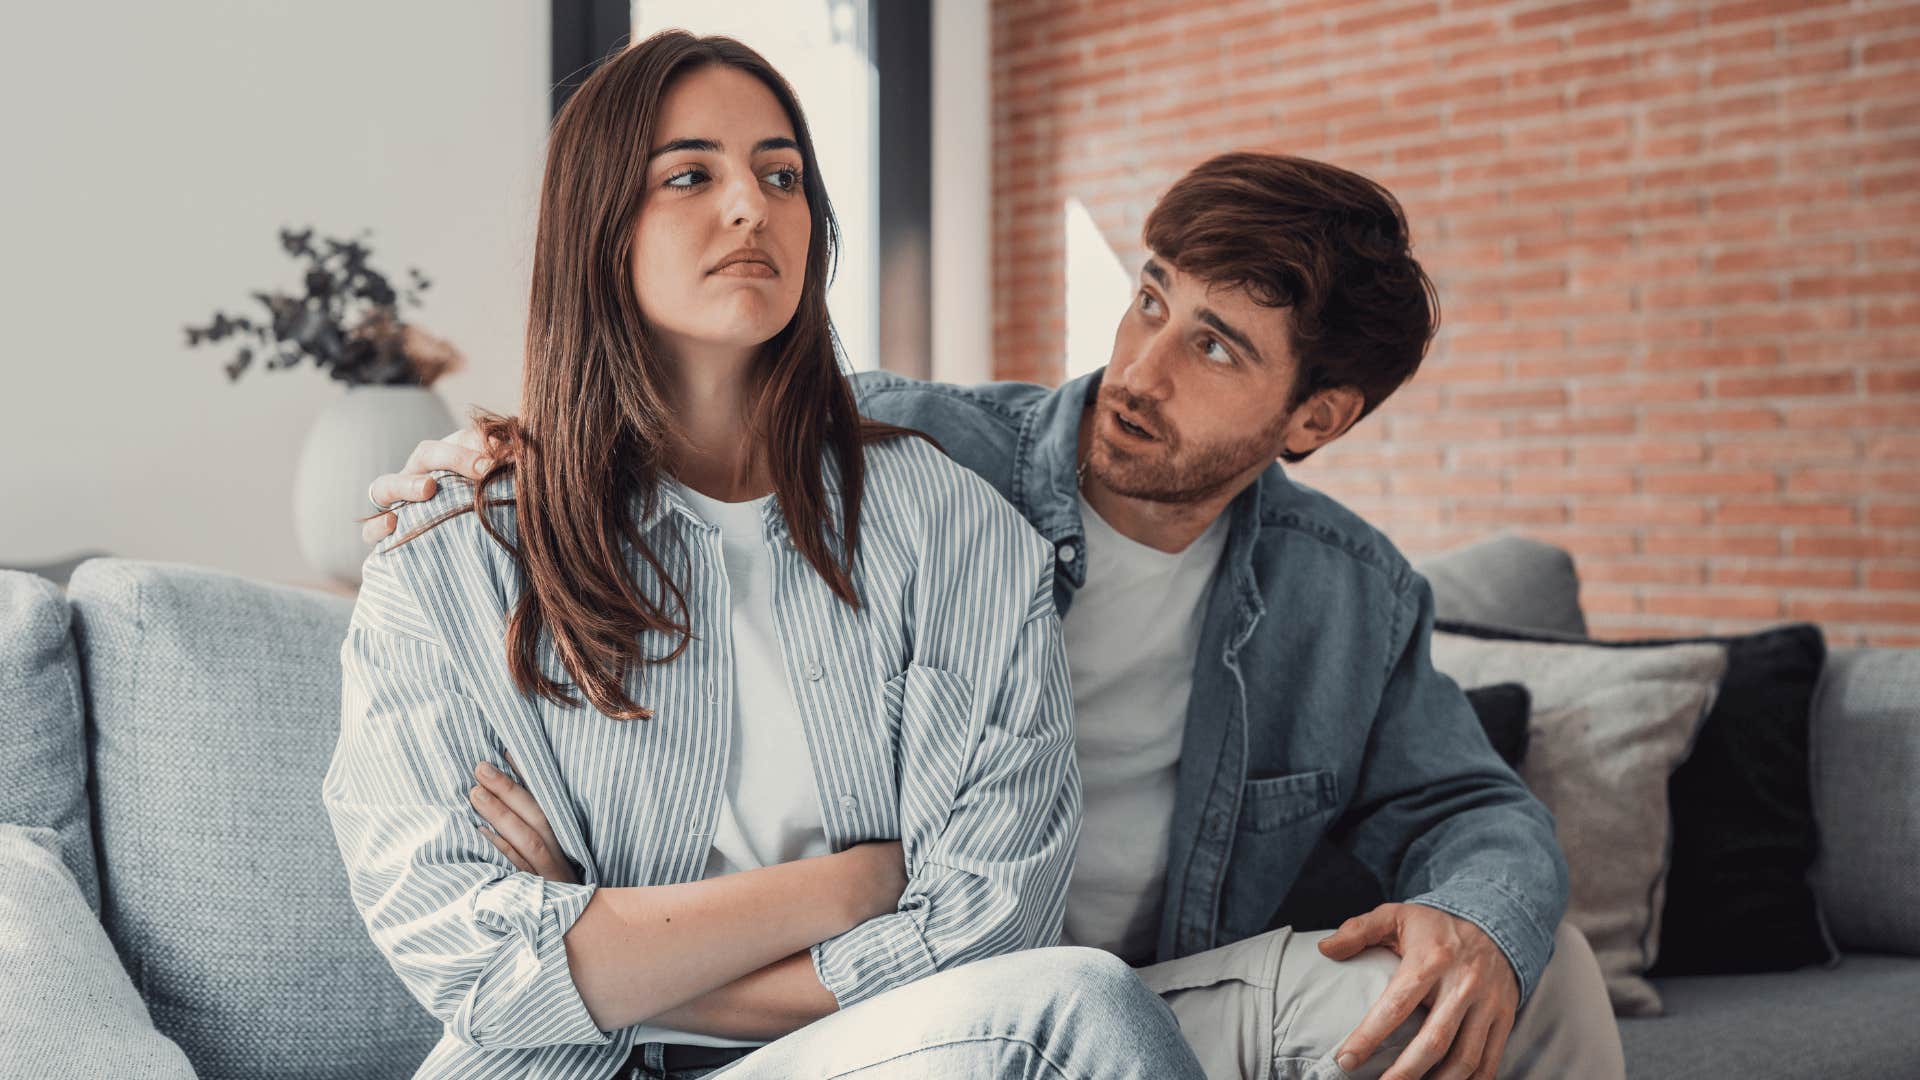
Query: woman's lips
column 746, row 268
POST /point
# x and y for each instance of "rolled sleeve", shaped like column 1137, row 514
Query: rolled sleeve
column 987, row 867
column 1512, row 924
column 479, row 944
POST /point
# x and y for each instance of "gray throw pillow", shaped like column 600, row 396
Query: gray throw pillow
column 1607, row 729
column 1508, row 580
column 43, row 755
column 70, row 1009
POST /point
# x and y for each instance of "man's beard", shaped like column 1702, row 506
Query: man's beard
column 1173, row 469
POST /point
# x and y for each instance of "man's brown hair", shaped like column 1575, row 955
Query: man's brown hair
column 1327, row 244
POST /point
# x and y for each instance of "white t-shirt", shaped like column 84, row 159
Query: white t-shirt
column 770, row 813
column 1132, row 634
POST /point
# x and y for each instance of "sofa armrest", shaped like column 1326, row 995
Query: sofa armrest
column 1865, row 760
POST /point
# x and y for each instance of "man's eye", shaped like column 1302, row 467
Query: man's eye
column 1217, row 352
column 786, row 179
column 685, row 178
column 1147, row 303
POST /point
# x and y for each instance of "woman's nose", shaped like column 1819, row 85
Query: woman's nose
column 746, row 204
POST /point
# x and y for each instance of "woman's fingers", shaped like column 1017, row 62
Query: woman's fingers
column 515, row 812
column 524, row 803
column 518, row 834
column 519, row 861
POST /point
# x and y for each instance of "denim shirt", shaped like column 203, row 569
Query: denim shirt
column 1315, row 708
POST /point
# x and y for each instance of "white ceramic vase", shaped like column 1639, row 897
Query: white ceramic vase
column 369, row 431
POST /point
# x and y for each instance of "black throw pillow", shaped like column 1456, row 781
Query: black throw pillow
column 1738, row 895
column 1333, row 886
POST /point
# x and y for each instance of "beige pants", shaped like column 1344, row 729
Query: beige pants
column 1271, row 1008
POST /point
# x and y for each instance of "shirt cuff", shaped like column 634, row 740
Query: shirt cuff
column 1508, row 920
column 873, row 957
column 527, row 997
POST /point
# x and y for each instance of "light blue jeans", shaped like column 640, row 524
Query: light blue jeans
column 1048, row 1014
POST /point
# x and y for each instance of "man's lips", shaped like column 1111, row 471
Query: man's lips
column 1133, row 427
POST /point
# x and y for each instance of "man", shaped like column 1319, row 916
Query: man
column 1250, row 659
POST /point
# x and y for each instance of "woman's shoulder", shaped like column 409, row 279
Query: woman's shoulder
column 438, row 536
column 911, row 480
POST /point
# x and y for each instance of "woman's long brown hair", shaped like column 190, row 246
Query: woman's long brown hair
column 596, row 423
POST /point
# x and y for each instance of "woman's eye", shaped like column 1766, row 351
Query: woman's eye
column 786, row 179
column 685, row 178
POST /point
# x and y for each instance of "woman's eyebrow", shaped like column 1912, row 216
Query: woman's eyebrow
column 709, row 146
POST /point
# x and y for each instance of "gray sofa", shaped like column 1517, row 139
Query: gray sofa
column 164, row 729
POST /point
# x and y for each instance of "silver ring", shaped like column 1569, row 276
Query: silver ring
column 397, row 503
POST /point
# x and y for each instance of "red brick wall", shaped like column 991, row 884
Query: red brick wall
column 1677, row 245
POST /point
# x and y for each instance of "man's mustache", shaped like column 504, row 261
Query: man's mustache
column 1145, row 409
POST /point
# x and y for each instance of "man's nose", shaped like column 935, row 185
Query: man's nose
column 1149, row 374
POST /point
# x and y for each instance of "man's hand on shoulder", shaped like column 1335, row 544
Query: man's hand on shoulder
column 465, row 452
column 1447, row 964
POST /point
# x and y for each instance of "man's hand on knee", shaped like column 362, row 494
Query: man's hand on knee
column 1447, row 964
column 464, row 452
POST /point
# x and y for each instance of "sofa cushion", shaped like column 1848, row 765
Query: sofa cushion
column 1865, row 758
column 215, row 708
column 1850, row 1021
column 71, row 1010
column 43, row 754
column 1507, row 581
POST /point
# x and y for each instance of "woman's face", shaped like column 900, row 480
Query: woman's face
column 720, row 249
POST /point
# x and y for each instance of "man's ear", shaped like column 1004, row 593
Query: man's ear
column 1323, row 418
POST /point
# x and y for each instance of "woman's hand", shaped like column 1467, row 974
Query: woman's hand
column 520, row 829
column 465, row 452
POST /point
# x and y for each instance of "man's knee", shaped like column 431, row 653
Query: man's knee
column 1567, row 1027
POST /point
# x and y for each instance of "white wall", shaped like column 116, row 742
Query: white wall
column 152, row 151
column 962, row 191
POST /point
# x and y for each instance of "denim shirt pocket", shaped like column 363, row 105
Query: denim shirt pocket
column 1274, row 802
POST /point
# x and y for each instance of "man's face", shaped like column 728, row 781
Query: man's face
column 1194, row 400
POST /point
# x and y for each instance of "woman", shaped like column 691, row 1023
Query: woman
column 789, row 685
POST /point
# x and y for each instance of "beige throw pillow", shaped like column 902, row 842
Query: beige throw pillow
column 1607, row 729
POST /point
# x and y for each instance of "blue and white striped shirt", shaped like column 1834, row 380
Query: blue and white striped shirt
column 938, row 713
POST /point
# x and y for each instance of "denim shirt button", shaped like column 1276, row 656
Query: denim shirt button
column 1217, row 825
column 1068, row 553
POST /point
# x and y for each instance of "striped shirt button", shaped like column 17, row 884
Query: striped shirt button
column 813, row 672
column 848, row 802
